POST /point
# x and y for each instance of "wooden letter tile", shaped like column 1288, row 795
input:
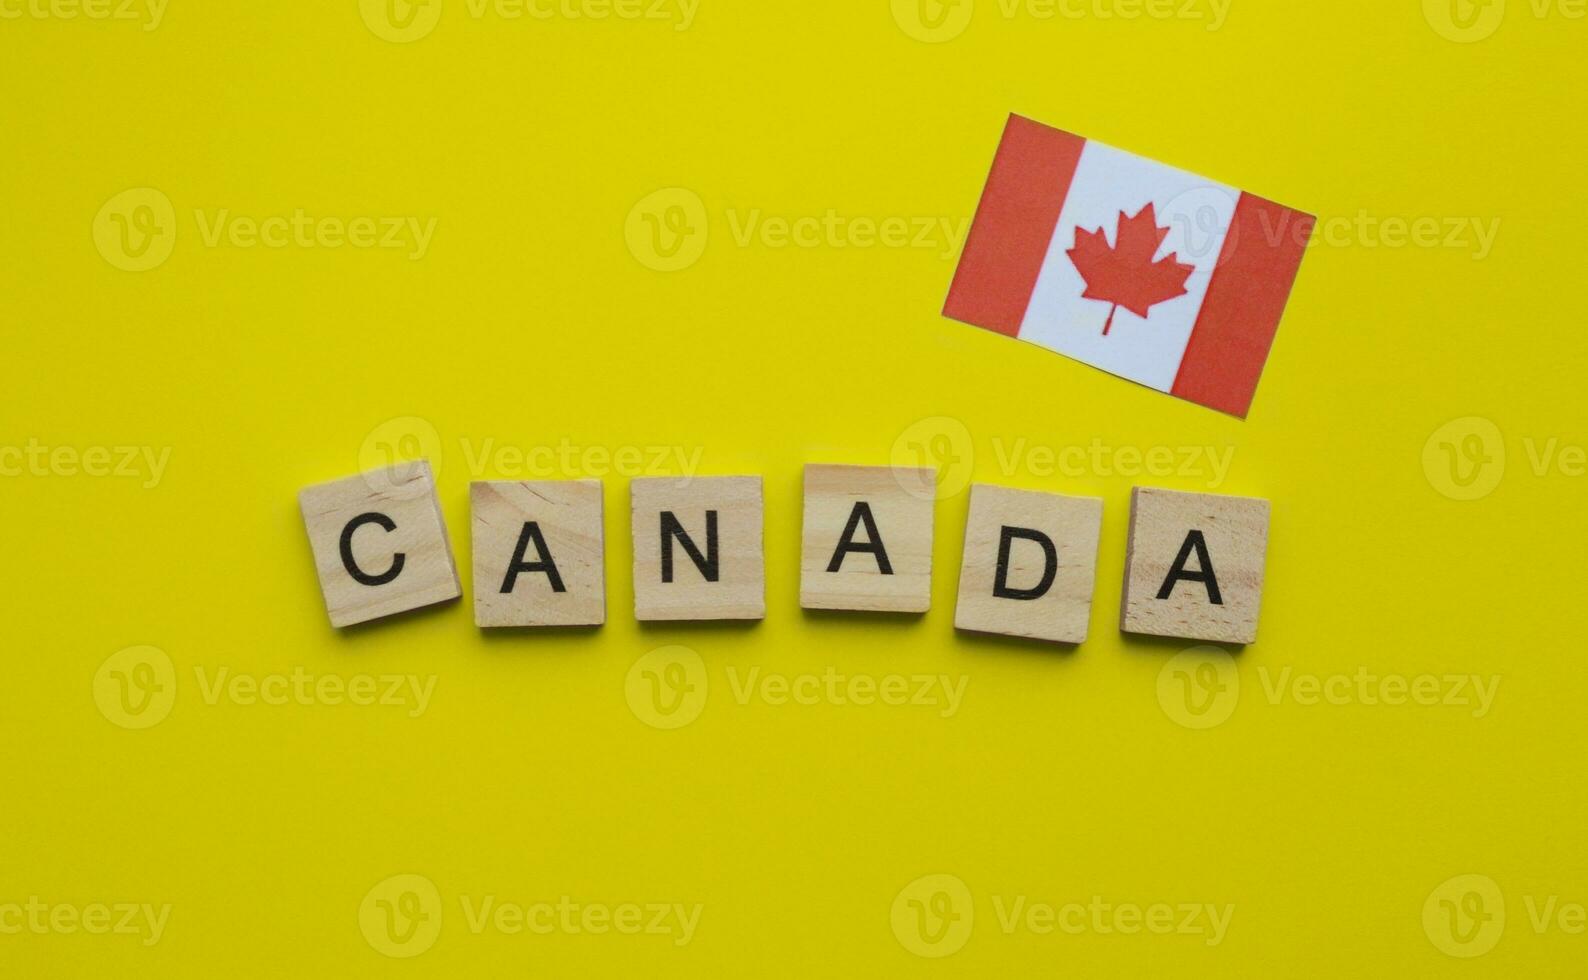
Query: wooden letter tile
column 538, row 553
column 698, row 548
column 867, row 539
column 1030, row 564
column 1194, row 568
column 379, row 543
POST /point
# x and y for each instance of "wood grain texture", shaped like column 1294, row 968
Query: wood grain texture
column 1164, row 529
column 899, row 502
column 514, row 519
column 738, row 590
column 401, row 525
column 1061, row 611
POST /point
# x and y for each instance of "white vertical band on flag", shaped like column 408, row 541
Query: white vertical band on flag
column 1110, row 183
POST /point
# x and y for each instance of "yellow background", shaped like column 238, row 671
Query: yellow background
column 531, row 322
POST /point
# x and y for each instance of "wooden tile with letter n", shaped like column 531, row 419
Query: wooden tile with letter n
column 538, row 557
column 1030, row 564
column 867, row 538
column 380, row 546
column 1194, row 568
column 698, row 548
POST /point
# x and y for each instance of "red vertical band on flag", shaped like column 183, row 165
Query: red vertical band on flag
column 1245, row 301
column 1008, row 241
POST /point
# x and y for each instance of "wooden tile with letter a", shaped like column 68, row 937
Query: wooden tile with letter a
column 1194, row 568
column 379, row 543
column 1030, row 564
column 867, row 539
column 538, row 553
column 698, row 548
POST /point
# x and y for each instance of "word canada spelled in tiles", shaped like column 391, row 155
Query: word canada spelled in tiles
column 1193, row 569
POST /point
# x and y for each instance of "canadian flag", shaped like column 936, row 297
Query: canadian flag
column 1151, row 273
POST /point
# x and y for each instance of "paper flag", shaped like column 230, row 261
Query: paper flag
column 1151, row 273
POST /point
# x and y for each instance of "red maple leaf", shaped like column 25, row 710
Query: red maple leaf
column 1125, row 274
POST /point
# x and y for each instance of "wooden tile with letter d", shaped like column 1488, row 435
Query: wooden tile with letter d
column 1030, row 564
column 698, row 548
column 1194, row 566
